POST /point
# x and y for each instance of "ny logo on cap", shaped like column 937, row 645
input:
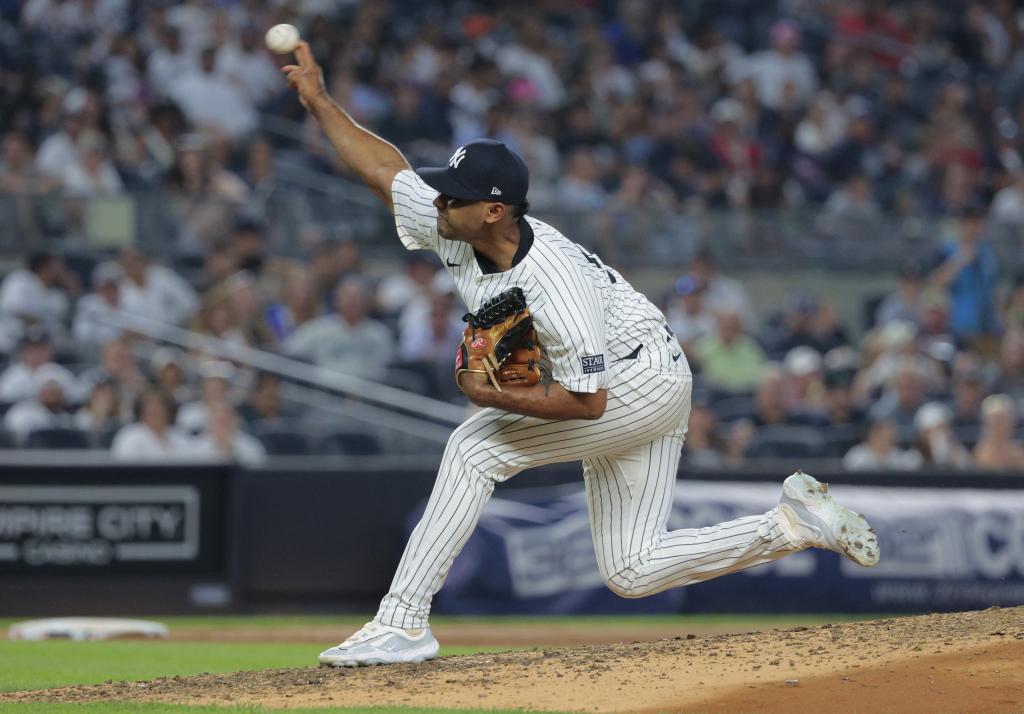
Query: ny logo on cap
column 457, row 157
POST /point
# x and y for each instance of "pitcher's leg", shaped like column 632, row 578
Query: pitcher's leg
column 630, row 499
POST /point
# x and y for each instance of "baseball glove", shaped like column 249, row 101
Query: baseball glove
column 500, row 342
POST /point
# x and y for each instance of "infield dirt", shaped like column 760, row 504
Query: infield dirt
column 962, row 662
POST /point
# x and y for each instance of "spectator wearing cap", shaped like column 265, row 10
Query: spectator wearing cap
column 37, row 295
column 101, row 414
column 167, row 366
column 153, row 291
column 729, row 360
column 96, row 313
column 45, row 409
column 803, row 388
column 879, row 452
column 997, row 450
column 348, row 341
column 221, row 438
column 969, row 273
column 152, row 437
column 904, row 302
column 215, row 389
column 935, row 438
column 24, row 378
column 687, row 313
column 721, row 292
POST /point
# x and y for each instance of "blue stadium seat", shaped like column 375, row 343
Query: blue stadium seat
column 59, row 438
column 779, row 441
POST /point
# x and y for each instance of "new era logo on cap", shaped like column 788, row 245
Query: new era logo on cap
column 481, row 170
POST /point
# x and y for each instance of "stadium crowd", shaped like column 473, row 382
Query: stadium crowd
column 856, row 109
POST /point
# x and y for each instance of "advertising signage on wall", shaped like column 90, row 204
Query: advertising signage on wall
column 141, row 523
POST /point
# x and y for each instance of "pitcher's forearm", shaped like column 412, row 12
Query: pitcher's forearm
column 372, row 158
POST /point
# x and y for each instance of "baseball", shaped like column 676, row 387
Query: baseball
column 282, row 39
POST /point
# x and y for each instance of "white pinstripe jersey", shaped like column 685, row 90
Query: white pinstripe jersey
column 589, row 320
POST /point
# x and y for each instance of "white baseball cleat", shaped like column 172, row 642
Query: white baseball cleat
column 381, row 644
column 810, row 517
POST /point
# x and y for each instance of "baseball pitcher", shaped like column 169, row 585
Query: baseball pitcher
column 615, row 393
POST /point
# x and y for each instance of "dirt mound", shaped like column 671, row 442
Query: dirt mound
column 971, row 661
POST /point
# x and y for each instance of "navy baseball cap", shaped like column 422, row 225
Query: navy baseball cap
column 482, row 170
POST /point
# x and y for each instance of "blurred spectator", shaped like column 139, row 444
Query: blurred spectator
column 1013, row 309
column 904, row 398
column 47, row 409
column 850, row 208
column 779, row 69
column 246, row 64
column 297, row 305
column 117, row 363
column 154, row 291
column 222, row 439
column 997, row 450
column 24, row 184
column 169, row 61
column 347, row 341
column 935, row 438
column 167, row 365
column 1011, row 365
column 579, row 187
column 94, row 173
column 434, row 339
column 840, row 408
column 879, row 452
column 331, row 262
column 738, row 442
column 904, row 302
column 215, row 389
column 406, row 296
column 36, row 295
column 101, row 414
column 804, row 390
column 96, row 312
column 1008, row 204
column 25, row 377
column 703, row 447
column 151, row 437
column 687, row 313
column 968, row 271
column 729, row 360
column 265, row 403
column 770, row 397
column 969, row 390
column 211, row 102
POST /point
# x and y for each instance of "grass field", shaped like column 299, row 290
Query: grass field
column 39, row 665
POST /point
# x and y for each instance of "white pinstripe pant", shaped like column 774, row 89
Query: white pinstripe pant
column 630, row 459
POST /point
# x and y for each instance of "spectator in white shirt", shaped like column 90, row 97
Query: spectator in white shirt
column 154, row 291
column 687, row 313
column 248, row 65
column 720, row 292
column 782, row 65
column 34, row 295
column 216, row 389
column 95, row 313
column 60, row 150
column 117, row 363
column 168, row 62
column 431, row 340
column 23, row 379
column 347, row 341
column 212, row 102
column 45, row 410
column 152, row 438
column 222, row 438
column 879, row 452
column 93, row 174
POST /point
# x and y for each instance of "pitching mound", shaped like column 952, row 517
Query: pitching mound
column 965, row 662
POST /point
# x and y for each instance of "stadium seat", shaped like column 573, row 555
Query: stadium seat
column 968, row 435
column 59, row 438
column 349, row 443
column 284, row 442
column 787, row 442
column 733, row 408
column 840, row 439
column 6, row 440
